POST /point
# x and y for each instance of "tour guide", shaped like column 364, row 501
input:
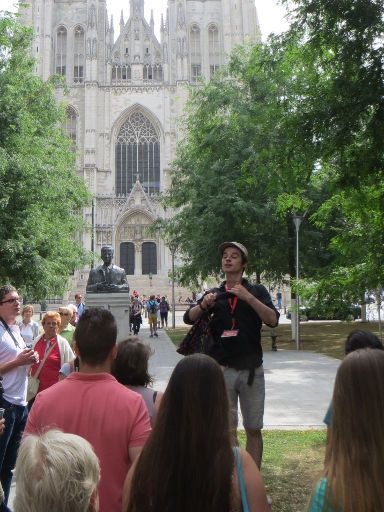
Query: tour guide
column 236, row 326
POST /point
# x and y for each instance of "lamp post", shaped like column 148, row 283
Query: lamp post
column 150, row 279
column 297, row 220
column 172, row 248
column 93, row 216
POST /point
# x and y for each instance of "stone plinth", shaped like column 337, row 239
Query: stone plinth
column 117, row 304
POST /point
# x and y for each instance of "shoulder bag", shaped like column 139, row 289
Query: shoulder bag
column 33, row 380
column 199, row 338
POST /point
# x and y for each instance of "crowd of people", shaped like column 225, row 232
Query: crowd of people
column 154, row 307
column 99, row 437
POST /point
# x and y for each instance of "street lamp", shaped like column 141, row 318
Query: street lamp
column 297, row 220
column 172, row 248
column 150, row 279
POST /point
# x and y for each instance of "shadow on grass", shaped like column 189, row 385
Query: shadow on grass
column 292, row 463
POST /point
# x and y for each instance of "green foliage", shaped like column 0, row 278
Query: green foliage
column 235, row 177
column 343, row 112
column 40, row 193
column 291, row 126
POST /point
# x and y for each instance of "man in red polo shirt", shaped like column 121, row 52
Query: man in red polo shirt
column 92, row 404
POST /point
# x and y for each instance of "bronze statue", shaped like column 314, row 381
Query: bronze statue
column 107, row 278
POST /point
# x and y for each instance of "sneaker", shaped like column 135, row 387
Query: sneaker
column 156, row 335
column 151, row 336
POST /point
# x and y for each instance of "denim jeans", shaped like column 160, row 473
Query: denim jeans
column 15, row 421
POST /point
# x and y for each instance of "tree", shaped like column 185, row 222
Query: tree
column 343, row 112
column 41, row 195
column 235, row 175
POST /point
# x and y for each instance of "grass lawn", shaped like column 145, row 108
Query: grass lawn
column 292, row 463
column 326, row 338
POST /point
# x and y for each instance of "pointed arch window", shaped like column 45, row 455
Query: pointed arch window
column 194, row 38
column 153, row 72
column 78, row 55
column 61, row 51
column 137, row 153
column 213, row 48
column 71, row 125
column 121, row 72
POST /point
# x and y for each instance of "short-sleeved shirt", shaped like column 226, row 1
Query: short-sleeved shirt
column 14, row 381
column 110, row 416
column 329, row 415
column 317, row 503
column 243, row 351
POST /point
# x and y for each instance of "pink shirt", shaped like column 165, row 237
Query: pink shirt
column 110, row 416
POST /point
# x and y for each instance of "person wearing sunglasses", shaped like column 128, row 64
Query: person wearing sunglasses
column 15, row 362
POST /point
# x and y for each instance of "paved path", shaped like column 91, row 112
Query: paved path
column 298, row 384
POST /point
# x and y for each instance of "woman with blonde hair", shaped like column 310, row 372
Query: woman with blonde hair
column 354, row 461
column 29, row 329
column 188, row 463
column 56, row 472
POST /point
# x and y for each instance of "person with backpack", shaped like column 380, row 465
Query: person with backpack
column 152, row 307
column 164, row 308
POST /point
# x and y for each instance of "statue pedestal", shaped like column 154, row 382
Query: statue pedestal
column 117, row 304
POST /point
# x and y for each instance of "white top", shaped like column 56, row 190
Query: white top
column 30, row 331
column 15, row 381
column 26, row 332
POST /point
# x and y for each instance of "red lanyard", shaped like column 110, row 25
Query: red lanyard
column 232, row 305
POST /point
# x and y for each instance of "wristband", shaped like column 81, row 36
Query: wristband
column 201, row 307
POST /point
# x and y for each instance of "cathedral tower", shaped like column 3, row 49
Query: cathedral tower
column 127, row 91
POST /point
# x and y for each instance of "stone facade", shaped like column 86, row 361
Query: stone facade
column 125, row 98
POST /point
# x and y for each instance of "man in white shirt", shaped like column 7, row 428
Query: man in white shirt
column 15, row 362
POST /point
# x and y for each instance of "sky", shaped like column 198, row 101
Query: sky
column 271, row 13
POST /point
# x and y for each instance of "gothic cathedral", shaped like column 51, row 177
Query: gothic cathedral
column 125, row 96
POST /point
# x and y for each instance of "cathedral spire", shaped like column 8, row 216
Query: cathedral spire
column 152, row 22
column 121, row 21
column 167, row 22
column 137, row 8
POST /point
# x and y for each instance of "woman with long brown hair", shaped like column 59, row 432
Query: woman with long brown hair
column 188, row 463
column 354, row 461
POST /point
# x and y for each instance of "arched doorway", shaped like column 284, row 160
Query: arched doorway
column 149, row 258
column 127, row 257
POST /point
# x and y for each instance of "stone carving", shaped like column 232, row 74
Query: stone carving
column 92, row 17
column 107, row 278
column 94, row 48
column 89, row 48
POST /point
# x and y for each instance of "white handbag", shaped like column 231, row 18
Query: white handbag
column 33, row 380
column 33, row 387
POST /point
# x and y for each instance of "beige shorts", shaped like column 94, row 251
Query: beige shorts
column 152, row 319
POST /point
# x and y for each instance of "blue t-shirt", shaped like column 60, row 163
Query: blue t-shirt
column 318, row 497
